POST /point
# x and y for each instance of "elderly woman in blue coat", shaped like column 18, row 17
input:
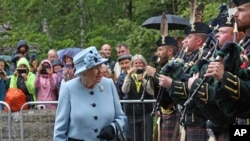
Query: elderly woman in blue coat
column 88, row 105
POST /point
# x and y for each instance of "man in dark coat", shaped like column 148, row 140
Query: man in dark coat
column 233, row 86
column 192, row 119
column 166, row 50
column 204, row 98
column 22, row 50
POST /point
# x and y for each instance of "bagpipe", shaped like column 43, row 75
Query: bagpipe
column 177, row 69
column 230, row 54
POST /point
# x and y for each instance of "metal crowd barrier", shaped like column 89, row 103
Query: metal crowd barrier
column 2, row 124
column 37, row 133
column 31, row 121
column 145, row 133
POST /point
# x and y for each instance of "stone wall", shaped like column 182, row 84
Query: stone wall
column 38, row 125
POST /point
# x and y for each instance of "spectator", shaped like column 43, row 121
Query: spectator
column 107, row 50
column 4, row 80
column 52, row 55
column 124, row 62
column 67, row 60
column 106, row 71
column 46, row 83
column 136, row 86
column 121, row 49
column 102, row 54
column 21, row 51
column 57, row 65
column 58, row 70
column 24, row 79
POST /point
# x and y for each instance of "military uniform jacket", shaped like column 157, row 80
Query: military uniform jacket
column 82, row 112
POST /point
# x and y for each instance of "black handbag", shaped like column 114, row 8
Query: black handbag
column 73, row 139
column 119, row 135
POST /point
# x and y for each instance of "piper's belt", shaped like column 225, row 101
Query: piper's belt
column 167, row 111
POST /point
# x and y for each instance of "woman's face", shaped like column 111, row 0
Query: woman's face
column 138, row 63
column 57, row 68
column 2, row 65
column 68, row 60
column 105, row 71
column 22, row 66
column 34, row 63
column 93, row 75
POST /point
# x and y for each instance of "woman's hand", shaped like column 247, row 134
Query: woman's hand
column 39, row 68
column 131, row 70
column 107, row 133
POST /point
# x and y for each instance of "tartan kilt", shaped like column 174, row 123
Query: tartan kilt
column 196, row 133
column 223, row 136
column 168, row 123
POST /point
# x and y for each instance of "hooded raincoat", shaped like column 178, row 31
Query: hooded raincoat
column 46, row 86
column 30, row 82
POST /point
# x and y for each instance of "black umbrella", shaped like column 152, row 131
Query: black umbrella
column 174, row 22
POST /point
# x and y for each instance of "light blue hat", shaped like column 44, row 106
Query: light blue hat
column 87, row 59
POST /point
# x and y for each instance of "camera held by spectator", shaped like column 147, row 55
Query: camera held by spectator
column 139, row 70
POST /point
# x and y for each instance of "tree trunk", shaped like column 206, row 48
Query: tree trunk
column 82, row 23
column 129, row 7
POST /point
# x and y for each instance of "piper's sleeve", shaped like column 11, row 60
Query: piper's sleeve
column 231, row 86
column 179, row 92
column 204, row 100
column 233, row 95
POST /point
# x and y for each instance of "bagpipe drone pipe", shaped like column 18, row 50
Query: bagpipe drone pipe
column 230, row 54
column 176, row 69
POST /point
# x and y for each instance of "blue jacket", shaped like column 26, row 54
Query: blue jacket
column 82, row 113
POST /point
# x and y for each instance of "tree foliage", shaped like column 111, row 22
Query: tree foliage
column 49, row 24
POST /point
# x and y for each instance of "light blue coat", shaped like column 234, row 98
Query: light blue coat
column 81, row 115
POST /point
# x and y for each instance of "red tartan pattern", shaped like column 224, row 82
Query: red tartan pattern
column 223, row 137
column 196, row 133
column 168, row 124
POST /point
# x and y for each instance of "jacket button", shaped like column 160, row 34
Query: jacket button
column 95, row 130
column 93, row 104
column 95, row 117
column 91, row 92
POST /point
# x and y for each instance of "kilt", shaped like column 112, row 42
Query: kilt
column 223, row 136
column 196, row 133
column 168, row 123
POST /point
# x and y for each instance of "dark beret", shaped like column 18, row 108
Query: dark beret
column 198, row 27
column 167, row 41
column 240, row 2
column 123, row 57
column 57, row 62
column 225, row 22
